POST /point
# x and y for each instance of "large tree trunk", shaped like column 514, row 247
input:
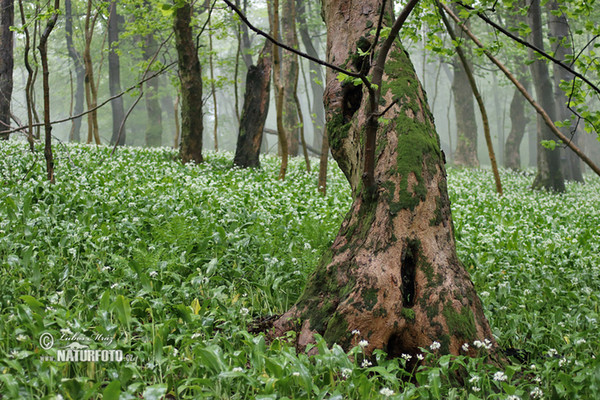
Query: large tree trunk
column 7, row 16
column 316, row 75
column 254, row 111
column 190, row 77
column 289, row 75
column 465, row 154
column 392, row 272
column 114, row 76
column 75, row 134
column 154, row 127
column 549, row 175
column 561, row 47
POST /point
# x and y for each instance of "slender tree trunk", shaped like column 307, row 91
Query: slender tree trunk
column 177, row 125
column 213, row 90
column 549, row 175
column 254, row 111
column 114, row 76
column 279, row 92
column 323, row 165
column 7, row 19
column 43, row 48
column 519, row 121
column 154, row 128
column 75, row 134
column 190, row 77
column 465, row 154
column 289, row 76
column 392, row 272
column 484, row 118
column 91, row 93
column 316, row 74
column 30, row 79
column 561, row 48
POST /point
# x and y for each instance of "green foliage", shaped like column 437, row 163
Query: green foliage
column 173, row 263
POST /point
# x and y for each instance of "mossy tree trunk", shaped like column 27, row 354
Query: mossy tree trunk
column 190, row 78
column 254, row 111
column 392, row 272
column 114, row 76
column 549, row 175
column 519, row 121
column 75, row 133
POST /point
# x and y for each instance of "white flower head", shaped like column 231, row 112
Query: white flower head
column 21, row 337
column 513, row 397
column 420, row 356
column 346, row 372
column 474, row 378
column 465, row 347
column 296, row 373
column 244, row 311
column 500, row 376
column 536, row 393
column 153, row 274
column 363, row 343
column 366, row 363
column 407, row 357
column 237, row 369
column 386, row 392
column 356, row 332
column 475, row 389
column 435, row 345
column 106, row 268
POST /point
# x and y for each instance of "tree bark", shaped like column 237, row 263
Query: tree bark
column 465, row 154
column 289, row 76
column 561, row 48
column 154, row 128
column 7, row 19
column 324, row 159
column 392, row 272
column 254, row 111
column 190, row 77
column 549, row 175
column 114, row 76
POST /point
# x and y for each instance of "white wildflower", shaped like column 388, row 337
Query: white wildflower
column 513, row 397
column 346, row 372
column 296, row 373
column 500, row 376
column 435, row 345
column 237, row 369
column 114, row 285
column 386, row 392
column 420, row 357
column 536, row 393
column 363, row 343
column 356, row 332
column 366, row 363
column 21, row 337
column 407, row 357
column 474, row 378
column 475, row 389
column 465, row 347
column 153, row 274
column 478, row 344
column 196, row 335
column 106, row 268
column 552, row 352
column 580, row 341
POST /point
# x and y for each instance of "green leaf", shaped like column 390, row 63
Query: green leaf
column 112, row 391
column 123, row 310
column 155, row 392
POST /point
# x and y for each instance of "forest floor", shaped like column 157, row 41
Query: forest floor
column 168, row 265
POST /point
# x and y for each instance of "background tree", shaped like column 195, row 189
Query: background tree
column 190, row 78
column 7, row 19
column 549, row 174
column 114, row 76
column 74, row 134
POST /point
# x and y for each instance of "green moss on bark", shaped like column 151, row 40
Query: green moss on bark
column 460, row 324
